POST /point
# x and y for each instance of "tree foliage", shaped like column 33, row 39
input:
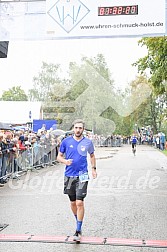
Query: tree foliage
column 151, row 111
column 90, row 92
column 155, row 62
column 14, row 94
column 47, row 85
column 82, row 95
column 49, row 88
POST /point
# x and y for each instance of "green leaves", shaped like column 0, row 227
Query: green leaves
column 155, row 62
column 14, row 94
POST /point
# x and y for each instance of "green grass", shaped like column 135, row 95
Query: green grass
column 165, row 152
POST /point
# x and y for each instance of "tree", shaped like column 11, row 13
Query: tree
column 151, row 110
column 49, row 88
column 155, row 62
column 14, row 94
column 148, row 114
column 47, row 85
column 90, row 92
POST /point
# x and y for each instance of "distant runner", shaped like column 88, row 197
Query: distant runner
column 134, row 142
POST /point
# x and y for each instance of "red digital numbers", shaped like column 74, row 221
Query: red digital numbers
column 101, row 11
column 118, row 10
column 128, row 9
column 107, row 11
column 115, row 10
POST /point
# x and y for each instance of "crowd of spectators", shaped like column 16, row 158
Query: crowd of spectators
column 24, row 150
column 146, row 136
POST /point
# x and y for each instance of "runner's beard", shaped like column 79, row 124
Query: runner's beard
column 78, row 134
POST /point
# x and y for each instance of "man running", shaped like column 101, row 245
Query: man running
column 134, row 142
column 73, row 153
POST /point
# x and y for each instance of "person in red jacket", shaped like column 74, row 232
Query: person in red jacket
column 22, row 151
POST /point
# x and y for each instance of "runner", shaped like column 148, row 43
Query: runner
column 75, row 149
column 134, row 142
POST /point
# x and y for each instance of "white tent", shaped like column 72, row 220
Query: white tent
column 20, row 112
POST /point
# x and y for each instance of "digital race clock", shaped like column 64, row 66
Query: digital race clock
column 118, row 10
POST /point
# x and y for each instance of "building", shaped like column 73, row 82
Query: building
column 20, row 112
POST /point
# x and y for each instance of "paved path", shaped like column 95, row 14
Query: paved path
column 127, row 200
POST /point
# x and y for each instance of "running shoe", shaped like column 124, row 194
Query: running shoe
column 77, row 236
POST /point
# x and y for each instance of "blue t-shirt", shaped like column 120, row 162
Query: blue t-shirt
column 134, row 140
column 77, row 151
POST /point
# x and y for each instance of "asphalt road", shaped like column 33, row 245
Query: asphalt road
column 127, row 200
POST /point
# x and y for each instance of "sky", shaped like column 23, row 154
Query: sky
column 25, row 58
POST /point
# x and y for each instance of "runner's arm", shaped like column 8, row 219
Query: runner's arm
column 93, row 163
column 61, row 159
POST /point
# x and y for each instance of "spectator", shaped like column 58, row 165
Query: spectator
column 157, row 142
column 162, row 141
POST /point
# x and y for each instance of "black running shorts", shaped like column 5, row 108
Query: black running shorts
column 133, row 145
column 74, row 188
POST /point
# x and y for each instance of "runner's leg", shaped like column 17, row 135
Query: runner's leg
column 73, row 205
column 80, row 209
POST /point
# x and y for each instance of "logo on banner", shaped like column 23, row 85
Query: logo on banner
column 68, row 13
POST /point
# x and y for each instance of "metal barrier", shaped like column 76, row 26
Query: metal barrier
column 107, row 142
column 14, row 163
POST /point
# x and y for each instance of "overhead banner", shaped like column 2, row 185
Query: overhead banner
column 58, row 19
column 90, row 18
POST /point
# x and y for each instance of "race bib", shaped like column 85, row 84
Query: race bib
column 83, row 177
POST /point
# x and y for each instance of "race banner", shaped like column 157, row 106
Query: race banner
column 63, row 19
column 89, row 18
